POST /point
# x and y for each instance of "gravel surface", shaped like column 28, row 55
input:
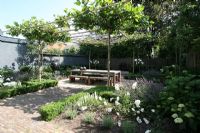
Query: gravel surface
column 20, row 114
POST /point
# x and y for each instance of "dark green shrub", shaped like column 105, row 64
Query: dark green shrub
column 65, row 72
column 6, row 72
column 101, row 90
column 25, row 69
column 30, row 86
column 133, row 76
column 48, row 69
column 107, row 122
column 51, row 110
column 128, row 127
column 180, row 102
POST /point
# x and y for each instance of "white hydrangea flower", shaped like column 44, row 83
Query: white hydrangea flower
column 138, row 112
column 83, row 108
column 109, row 110
column 175, row 115
column 117, row 87
column 117, row 99
column 134, row 85
column 181, row 105
column 8, row 80
column 139, row 120
column 117, row 103
column 128, row 94
column 142, row 109
column 133, row 109
column 105, row 103
column 146, row 121
column 119, row 123
column 111, row 99
column 117, row 113
column 148, row 131
column 153, row 110
column 137, row 103
column 100, row 98
column 178, row 120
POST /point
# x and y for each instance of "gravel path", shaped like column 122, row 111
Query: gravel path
column 20, row 114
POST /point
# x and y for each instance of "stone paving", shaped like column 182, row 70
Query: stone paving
column 20, row 114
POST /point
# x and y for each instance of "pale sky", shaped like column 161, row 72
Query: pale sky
column 18, row 10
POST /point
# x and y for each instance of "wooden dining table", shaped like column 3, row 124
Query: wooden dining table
column 97, row 74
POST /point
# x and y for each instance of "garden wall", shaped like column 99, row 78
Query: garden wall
column 68, row 59
column 13, row 54
column 11, row 49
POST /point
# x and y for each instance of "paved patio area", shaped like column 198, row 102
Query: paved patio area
column 20, row 114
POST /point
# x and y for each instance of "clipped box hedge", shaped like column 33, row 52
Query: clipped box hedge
column 51, row 110
column 30, row 86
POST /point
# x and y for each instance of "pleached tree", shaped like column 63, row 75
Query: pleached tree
column 40, row 33
column 108, row 17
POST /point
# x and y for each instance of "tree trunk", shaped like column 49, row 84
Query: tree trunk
column 133, row 61
column 89, row 58
column 40, row 63
column 108, row 66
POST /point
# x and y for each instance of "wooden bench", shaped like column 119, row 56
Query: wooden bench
column 73, row 77
column 90, row 78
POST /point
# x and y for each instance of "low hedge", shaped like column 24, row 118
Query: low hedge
column 30, row 86
column 51, row 110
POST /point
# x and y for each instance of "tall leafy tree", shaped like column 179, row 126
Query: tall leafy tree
column 39, row 33
column 108, row 17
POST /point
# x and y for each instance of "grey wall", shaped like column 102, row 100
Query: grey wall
column 11, row 50
column 68, row 60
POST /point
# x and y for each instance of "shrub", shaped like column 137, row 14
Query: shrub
column 6, row 72
column 71, row 113
column 30, row 86
column 89, row 100
column 67, row 72
column 180, row 102
column 128, row 127
column 25, row 69
column 125, row 104
column 47, row 75
column 51, row 110
column 48, row 69
column 132, row 76
column 89, row 117
column 107, row 122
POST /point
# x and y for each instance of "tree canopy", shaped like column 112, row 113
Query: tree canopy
column 39, row 33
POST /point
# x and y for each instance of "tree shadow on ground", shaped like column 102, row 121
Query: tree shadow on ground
column 31, row 102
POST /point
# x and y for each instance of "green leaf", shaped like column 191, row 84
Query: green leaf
column 78, row 3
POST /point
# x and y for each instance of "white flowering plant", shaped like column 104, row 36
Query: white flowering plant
column 125, row 103
column 179, row 102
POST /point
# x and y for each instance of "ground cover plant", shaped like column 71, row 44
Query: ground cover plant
column 89, row 117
